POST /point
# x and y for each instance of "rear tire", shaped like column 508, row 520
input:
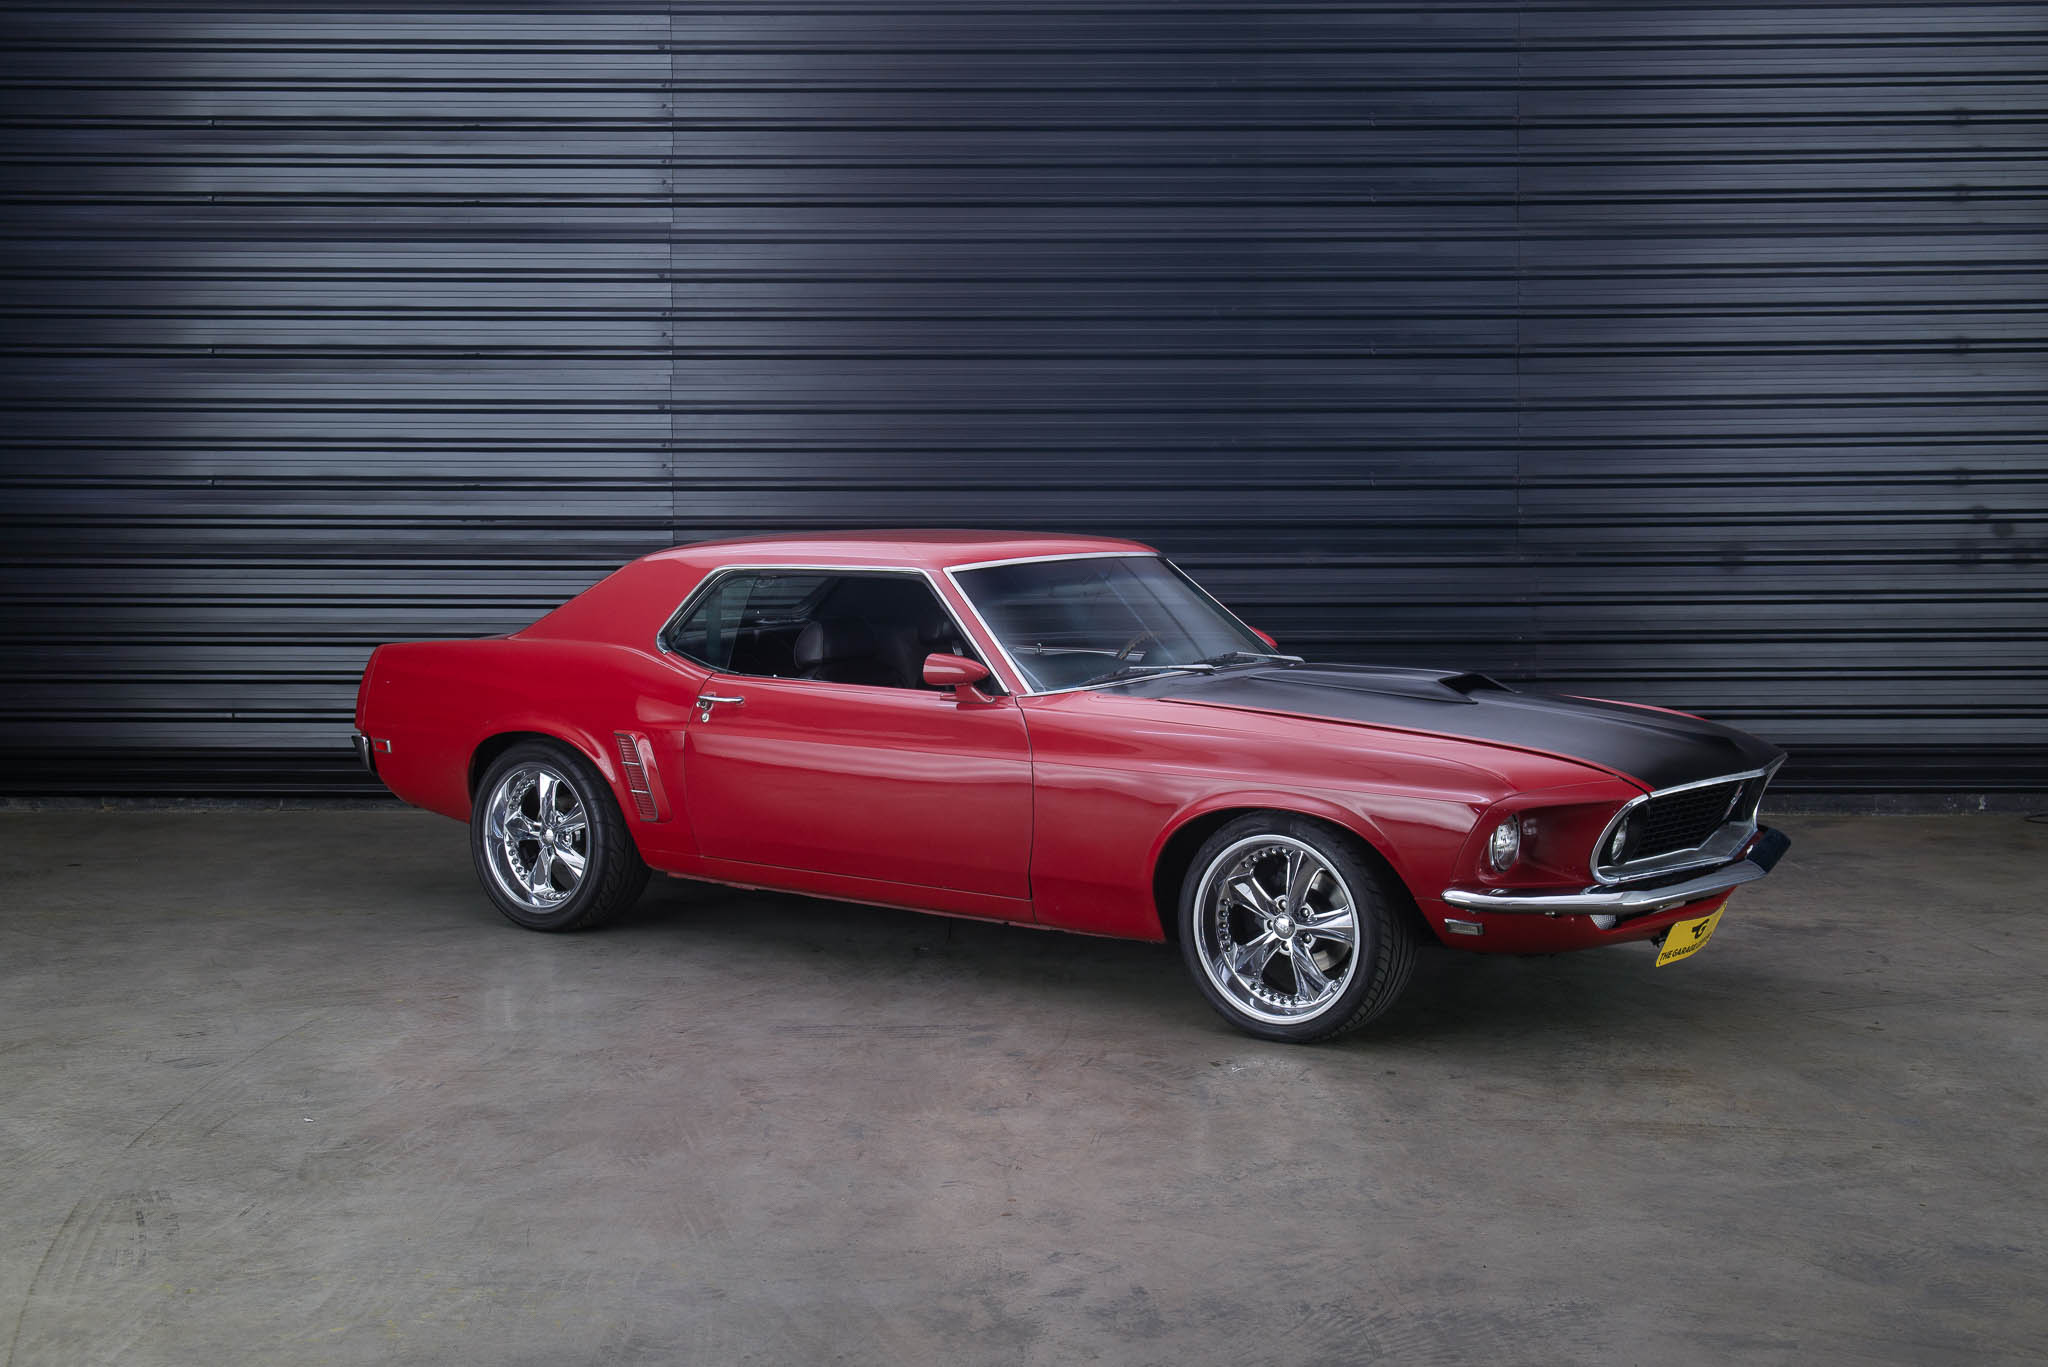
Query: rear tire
column 550, row 846
column 1291, row 929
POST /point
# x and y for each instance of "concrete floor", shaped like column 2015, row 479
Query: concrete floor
column 281, row 1087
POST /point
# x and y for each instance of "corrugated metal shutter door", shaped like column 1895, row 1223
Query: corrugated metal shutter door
column 336, row 327
column 1784, row 395
column 1692, row 355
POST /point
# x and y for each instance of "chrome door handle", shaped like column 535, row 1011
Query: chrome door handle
column 706, row 701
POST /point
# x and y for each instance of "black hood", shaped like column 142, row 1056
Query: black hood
column 1656, row 749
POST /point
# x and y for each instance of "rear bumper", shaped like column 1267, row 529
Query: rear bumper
column 364, row 753
column 1764, row 852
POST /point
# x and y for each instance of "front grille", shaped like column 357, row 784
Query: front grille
column 1661, row 834
column 1681, row 821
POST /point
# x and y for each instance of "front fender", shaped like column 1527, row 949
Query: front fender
column 1351, row 818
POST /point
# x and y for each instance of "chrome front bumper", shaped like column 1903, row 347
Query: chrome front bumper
column 1764, row 852
column 364, row 754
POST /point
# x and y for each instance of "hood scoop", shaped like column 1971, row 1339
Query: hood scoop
column 1465, row 684
column 1428, row 685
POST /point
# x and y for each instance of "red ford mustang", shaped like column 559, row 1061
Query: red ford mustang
column 1058, row 731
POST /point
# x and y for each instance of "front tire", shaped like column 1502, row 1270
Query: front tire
column 550, row 847
column 1291, row 930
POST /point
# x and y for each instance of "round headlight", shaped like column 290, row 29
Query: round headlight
column 1619, row 844
column 1505, row 844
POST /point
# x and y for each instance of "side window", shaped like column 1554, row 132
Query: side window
column 873, row 629
column 749, row 621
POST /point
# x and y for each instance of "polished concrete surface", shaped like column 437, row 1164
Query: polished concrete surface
column 281, row 1087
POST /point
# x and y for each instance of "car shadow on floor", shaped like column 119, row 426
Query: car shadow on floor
column 1453, row 995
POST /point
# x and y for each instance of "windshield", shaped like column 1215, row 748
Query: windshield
column 1073, row 622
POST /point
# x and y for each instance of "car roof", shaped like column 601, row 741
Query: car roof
column 920, row 548
column 631, row 604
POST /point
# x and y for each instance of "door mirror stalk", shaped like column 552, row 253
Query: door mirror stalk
column 957, row 672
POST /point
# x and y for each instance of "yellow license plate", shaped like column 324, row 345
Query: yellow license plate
column 1687, row 938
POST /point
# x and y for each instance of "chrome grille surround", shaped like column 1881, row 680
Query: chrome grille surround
column 1689, row 826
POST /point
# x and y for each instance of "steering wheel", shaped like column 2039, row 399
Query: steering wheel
column 1132, row 644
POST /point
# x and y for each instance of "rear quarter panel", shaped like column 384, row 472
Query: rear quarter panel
column 438, row 701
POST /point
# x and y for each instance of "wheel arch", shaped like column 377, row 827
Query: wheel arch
column 486, row 751
column 1174, row 853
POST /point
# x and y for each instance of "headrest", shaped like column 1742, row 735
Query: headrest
column 824, row 643
column 936, row 629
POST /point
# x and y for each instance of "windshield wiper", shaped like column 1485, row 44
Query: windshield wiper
column 1250, row 657
column 1140, row 671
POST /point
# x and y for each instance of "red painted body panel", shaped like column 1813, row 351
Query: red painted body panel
column 1117, row 775
column 1053, row 808
column 879, row 783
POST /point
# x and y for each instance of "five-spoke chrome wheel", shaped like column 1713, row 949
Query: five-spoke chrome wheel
column 1292, row 927
column 550, row 843
column 1278, row 927
column 538, row 836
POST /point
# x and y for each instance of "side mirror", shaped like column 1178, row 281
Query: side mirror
column 958, row 673
column 1271, row 644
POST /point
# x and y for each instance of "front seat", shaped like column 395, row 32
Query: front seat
column 929, row 632
column 841, row 651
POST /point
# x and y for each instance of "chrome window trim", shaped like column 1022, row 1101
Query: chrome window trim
column 953, row 571
column 1715, row 849
column 1056, row 555
column 713, row 576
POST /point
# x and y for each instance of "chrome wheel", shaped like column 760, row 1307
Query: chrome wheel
column 537, row 837
column 1277, row 929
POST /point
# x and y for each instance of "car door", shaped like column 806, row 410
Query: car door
column 848, row 775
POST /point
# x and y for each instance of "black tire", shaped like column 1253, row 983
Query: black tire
column 1225, row 929
column 613, row 873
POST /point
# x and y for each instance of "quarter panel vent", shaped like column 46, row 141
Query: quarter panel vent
column 635, row 768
